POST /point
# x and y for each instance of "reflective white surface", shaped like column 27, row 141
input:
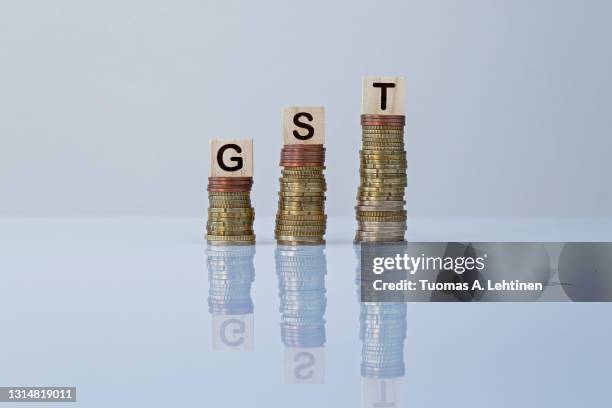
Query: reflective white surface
column 118, row 308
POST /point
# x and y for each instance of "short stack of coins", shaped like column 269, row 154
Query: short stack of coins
column 230, row 275
column 301, row 219
column 301, row 274
column 230, row 214
column 381, row 214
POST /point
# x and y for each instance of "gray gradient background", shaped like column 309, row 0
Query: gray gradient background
column 107, row 107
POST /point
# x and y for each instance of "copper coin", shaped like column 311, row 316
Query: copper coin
column 301, row 164
column 303, row 149
column 304, row 162
column 239, row 187
column 231, row 177
column 230, row 184
column 302, row 156
column 302, row 152
column 376, row 116
column 364, row 120
column 384, row 122
column 298, row 155
column 226, row 182
column 303, row 146
column 383, row 119
column 229, row 189
column 230, row 181
column 286, row 152
column 321, row 154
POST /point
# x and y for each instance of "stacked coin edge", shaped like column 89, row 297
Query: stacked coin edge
column 301, row 219
column 380, row 209
column 230, row 213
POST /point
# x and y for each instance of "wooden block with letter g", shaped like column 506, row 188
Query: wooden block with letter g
column 231, row 158
column 304, row 125
column 383, row 96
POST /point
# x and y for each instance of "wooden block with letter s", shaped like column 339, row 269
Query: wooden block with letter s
column 304, row 125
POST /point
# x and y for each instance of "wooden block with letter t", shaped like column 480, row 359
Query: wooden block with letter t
column 304, row 125
column 383, row 96
column 231, row 158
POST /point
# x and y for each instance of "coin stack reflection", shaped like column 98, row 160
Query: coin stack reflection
column 382, row 332
column 301, row 218
column 301, row 278
column 230, row 214
column 381, row 215
column 230, row 276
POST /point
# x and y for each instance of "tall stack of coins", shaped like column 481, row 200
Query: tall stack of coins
column 380, row 209
column 230, row 214
column 301, row 218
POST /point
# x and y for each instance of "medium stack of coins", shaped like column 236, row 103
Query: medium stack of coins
column 301, row 281
column 230, row 276
column 230, row 215
column 380, row 209
column 301, row 215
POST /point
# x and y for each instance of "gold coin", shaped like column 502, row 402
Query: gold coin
column 381, row 153
column 367, row 147
column 302, row 199
column 305, row 168
column 229, row 194
column 305, row 234
column 299, row 242
column 214, row 237
column 231, row 218
column 302, row 181
column 300, row 215
column 300, row 194
column 383, row 160
column 303, row 210
column 306, row 190
column 229, row 221
column 301, row 206
column 301, row 223
column 230, row 243
column 303, row 238
column 230, row 205
column 378, row 219
column 384, row 166
column 291, row 230
column 228, row 233
column 379, row 213
column 243, row 227
column 383, row 171
column 381, row 129
column 302, row 174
